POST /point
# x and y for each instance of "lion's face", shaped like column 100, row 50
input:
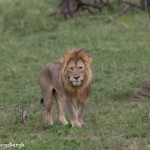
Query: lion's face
column 76, row 71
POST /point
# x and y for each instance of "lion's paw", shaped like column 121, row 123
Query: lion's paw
column 76, row 123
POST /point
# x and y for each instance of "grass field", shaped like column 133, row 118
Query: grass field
column 115, row 113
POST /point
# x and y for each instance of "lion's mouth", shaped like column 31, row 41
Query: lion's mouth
column 76, row 83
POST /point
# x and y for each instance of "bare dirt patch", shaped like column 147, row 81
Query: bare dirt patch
column 143, row 95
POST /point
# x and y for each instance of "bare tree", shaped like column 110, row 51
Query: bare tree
column 69, row 7
column 65, row 9
column 148, row 6
column 142, row 4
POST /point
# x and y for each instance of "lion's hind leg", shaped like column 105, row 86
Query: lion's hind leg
column 48, row 102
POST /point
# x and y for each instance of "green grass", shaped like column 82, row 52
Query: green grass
column 121, row 56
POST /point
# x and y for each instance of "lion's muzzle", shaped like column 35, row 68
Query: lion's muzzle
column 76, row 81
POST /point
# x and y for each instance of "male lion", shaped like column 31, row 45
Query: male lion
column 68, row 82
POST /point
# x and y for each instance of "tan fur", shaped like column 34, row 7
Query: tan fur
column 67, row 81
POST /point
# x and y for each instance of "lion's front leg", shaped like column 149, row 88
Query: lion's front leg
column 80, row 107
column 72, row 114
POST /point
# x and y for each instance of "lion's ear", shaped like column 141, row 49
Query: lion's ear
column 62, row 59
column 89, row 57
column 90, row 60
column 85, row 56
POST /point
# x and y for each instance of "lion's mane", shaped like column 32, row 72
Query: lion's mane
column 81, row 92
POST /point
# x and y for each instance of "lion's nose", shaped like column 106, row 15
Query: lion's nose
column 76, row 78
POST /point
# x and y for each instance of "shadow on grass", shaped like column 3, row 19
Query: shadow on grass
column 58, row 128
column 122, row 95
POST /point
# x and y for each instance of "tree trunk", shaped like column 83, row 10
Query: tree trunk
column 65, row 9
column 148, row 6
column 142, row 4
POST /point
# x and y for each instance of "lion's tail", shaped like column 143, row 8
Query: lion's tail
column 42, row 101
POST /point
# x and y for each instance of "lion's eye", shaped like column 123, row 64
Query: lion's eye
column 80, row 68
column 71, row 68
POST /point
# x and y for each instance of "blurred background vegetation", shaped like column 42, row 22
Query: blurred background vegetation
column 24, row 17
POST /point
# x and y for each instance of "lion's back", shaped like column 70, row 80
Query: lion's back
column 50, row 75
